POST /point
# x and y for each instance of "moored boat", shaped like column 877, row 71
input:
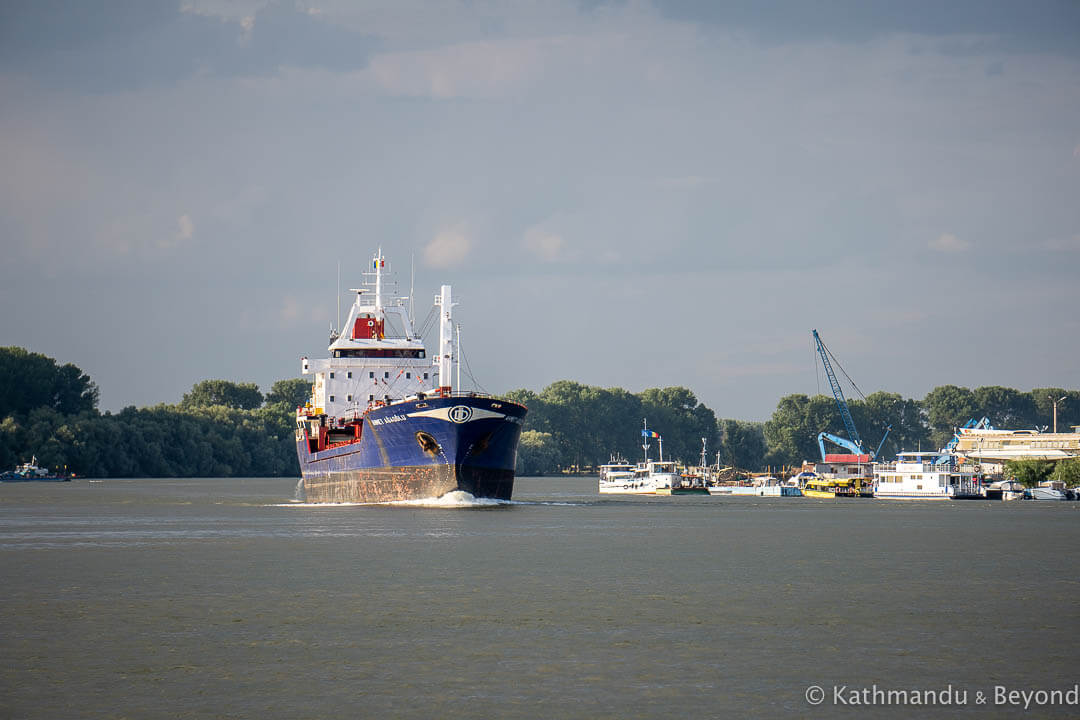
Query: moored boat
column 1004, row 490
column 650, row 477
column 1049, row 490
column 384, row 423
column 32, row 472
column 618, row 476
column 767, row 486
column 926, row 476
column 825, row 487
column 668, row 480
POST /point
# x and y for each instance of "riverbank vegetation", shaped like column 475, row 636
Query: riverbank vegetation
column 232, row 429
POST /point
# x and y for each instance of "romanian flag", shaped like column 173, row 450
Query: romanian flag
column 377, row 263
column 650, row 434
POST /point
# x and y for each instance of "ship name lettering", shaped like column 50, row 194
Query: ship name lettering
column 389, row 419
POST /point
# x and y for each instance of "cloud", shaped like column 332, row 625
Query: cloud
column 137, row 45
column 184, row 227
column 475, row 69
column 543, row 244
column 447, row 249
column 949, row 243
column 236, row 10
column 1063, row 244
column 290, row 311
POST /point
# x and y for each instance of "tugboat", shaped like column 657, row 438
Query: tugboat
column 384, row 423
column 30, row 472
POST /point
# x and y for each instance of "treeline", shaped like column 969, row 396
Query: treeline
column 219, row 429
column 223, row 428
column 570, row 424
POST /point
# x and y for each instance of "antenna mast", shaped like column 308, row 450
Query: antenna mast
column 457, row 355
column 645, row 434
column 378, row 280
column 446, row 340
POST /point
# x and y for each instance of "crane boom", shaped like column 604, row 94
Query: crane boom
column 838, row 394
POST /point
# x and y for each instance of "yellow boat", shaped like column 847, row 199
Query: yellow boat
column 832, row 487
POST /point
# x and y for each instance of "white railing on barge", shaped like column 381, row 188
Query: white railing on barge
column 890, row 467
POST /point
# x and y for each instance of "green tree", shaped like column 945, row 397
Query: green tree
column 878, row 412
column 948, row 407
column 791, row 433
column 1006, row 408
column 537, row 454
column 587, row 423
column 32, row 380
column 292, row 393
column 537, row 418
column 1029, row 472
column 10, row 442
column 572, row 423
column 1068, row 409
column 1067, row 471
column 681, row 420
column 742, row 444
column 243, row 396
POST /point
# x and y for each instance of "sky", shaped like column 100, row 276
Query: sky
column 627, row 194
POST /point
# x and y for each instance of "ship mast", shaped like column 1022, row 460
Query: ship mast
column 446, row 340
column 645, row 434
column 378, row 280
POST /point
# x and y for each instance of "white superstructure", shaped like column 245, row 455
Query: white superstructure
column 377, row 357
column 617, row 477
column 992, row 445
column 925, row 476
column 662, row 475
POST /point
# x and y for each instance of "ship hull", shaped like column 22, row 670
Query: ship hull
column 417, row 450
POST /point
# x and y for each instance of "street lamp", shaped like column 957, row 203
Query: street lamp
column 1055, row 403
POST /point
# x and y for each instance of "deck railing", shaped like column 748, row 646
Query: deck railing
column 890, row 467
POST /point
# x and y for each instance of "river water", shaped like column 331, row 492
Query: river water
column 224, row 598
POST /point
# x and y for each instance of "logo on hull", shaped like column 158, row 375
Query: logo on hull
column 460, row 414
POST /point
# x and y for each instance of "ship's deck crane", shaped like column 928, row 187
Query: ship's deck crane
column 855, row 444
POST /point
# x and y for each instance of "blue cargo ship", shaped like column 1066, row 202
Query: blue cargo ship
column 384, row 422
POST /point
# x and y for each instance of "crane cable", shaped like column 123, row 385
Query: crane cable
column 837, row 362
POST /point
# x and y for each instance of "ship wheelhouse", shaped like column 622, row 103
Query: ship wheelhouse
column 377, row 360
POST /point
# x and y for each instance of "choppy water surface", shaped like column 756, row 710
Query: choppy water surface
column 222, row 598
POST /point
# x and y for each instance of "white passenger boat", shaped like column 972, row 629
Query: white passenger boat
column 767, row 486
column 926, row 476
column 619, row 477
column 647, row 477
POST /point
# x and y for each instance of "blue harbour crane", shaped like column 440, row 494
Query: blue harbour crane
column 854, row 444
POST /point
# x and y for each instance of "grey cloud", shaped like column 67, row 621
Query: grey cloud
column 129, row 45
column 1036, row 26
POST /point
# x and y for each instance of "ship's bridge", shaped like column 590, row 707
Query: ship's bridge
column 376, row 358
